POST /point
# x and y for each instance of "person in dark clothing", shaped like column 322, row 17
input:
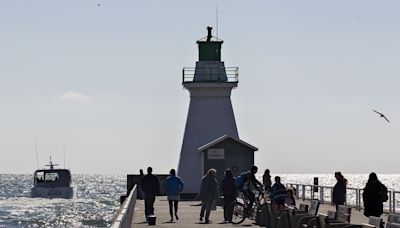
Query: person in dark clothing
column 339, row 190
column 150, row 187
column 229, row 191
column 267, row 180
column 278, row 195
column 374, row 196
column 140, row 192
column 251, row 183
column 208, row 194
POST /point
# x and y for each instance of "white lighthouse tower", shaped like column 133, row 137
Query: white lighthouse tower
column 210, row 113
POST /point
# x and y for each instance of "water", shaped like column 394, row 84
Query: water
column 97, row 199
column 94, row 205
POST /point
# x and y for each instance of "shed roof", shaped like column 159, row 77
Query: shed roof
column 222, row 138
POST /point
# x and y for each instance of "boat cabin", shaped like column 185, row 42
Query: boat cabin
column 52, row 178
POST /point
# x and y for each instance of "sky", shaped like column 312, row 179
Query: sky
column 105, row 81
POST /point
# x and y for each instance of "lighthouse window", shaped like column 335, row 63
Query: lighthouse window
column 51, row 177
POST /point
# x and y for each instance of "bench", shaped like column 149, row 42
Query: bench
column 338, row 219
column 373, row 222
column 299, row 218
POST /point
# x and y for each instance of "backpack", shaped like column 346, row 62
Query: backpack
column 240, row 180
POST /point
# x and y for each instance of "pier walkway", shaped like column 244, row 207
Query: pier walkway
column 189, row 215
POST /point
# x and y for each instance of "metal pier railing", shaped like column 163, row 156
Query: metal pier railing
column 124, row 217
column 353, row 196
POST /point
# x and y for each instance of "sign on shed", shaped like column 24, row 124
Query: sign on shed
column 214, row 153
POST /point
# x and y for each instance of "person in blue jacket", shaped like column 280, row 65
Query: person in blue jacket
column 173, row 187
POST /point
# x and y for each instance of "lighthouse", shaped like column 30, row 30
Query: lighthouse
column 211, row 138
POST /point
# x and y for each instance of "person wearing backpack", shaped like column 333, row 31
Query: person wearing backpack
column 375, row 193
column 249, row 182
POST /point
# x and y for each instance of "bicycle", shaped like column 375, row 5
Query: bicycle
column 240, row 211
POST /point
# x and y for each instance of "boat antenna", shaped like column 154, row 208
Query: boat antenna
column 37, row 157
column 217, row 20
column 51, row 165
column 64, row 152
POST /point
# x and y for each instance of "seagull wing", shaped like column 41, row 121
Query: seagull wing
column 377, row 112
column 386, row 119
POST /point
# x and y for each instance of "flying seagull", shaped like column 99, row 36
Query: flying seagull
column 382, row 116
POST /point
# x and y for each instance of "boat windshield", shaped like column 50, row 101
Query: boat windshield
column 57, row 178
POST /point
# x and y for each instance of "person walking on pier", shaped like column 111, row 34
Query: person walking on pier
column 208, row 194
column 375, row 193
column 140, row 191
column 150, row 187
column 229, row 191
column 267, row 181
column 339, row 190
column 173, row 187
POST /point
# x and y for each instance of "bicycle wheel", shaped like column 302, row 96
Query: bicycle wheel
column 238, row 215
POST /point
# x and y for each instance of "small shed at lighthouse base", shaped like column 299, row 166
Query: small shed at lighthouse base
column 227, row 152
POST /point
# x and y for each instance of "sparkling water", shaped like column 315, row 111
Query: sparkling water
column 95, row 203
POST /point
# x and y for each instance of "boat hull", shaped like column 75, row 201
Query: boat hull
column 56, row 192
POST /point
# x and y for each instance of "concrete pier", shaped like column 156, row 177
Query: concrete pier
column 189, row 215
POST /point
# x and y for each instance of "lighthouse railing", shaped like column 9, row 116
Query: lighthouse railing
column 232, row 74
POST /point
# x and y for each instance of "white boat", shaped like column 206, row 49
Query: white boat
column 52, row 183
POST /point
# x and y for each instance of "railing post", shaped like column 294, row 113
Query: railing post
column 357, row 199
column 390, row 201
column 303, row 192
column 312, row 191
column 321, row 194
column 297, row 191
column 394, row 201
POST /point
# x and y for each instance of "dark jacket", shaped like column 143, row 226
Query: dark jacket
column 372, row 197
column 228, row 187
column 278, row 193
column 208, row 188
column 150, row 184
column 339, row 192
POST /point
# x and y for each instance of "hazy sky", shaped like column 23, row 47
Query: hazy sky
column 106, row 80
